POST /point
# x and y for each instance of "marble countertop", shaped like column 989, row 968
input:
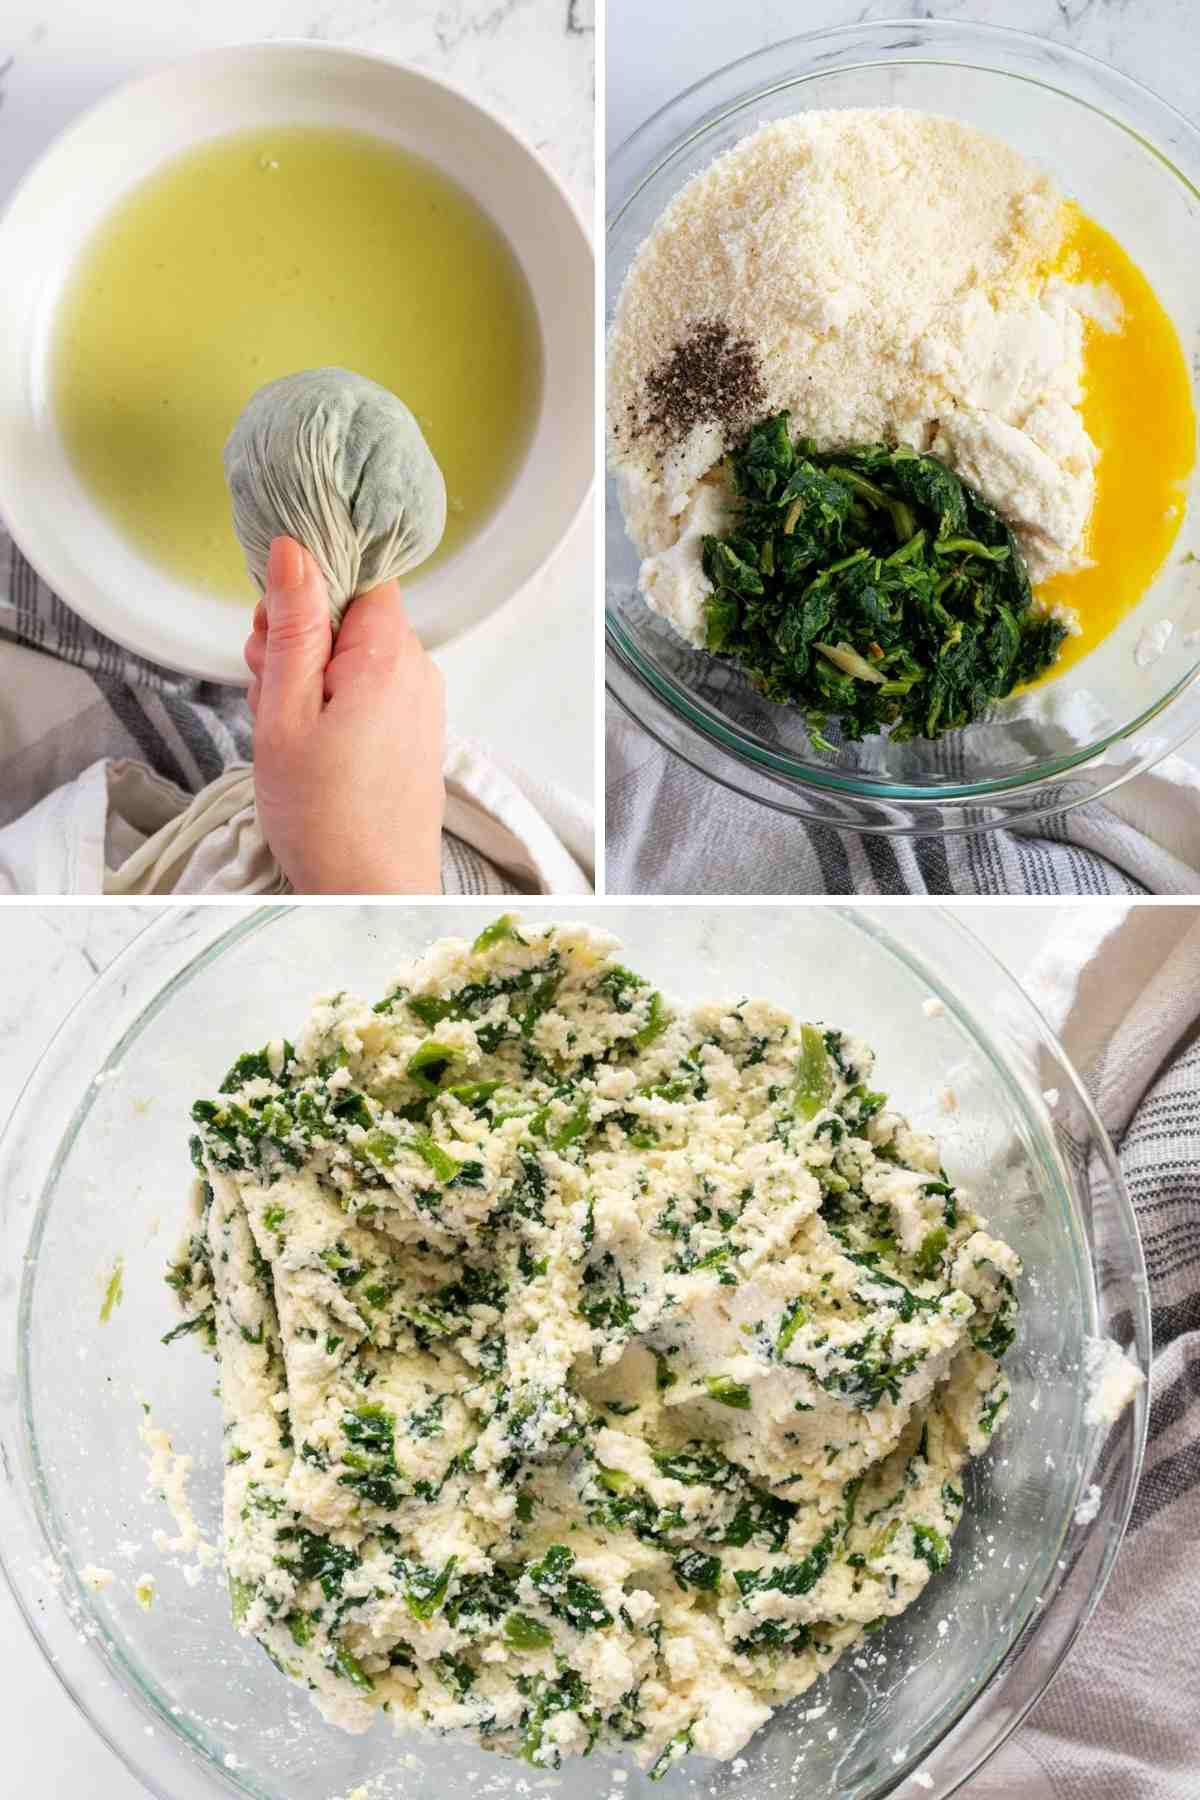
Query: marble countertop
column 531, row 61
column 51, row 955
column 650, row 59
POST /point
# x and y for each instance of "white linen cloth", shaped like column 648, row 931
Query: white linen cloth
column 117, row 777
column 671, row 830
column 1121, row 1720
column 119, row 828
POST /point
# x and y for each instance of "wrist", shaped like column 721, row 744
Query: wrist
column 413, row 871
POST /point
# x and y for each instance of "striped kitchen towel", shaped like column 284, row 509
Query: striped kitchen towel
column 671, row 830
column 102, row 754
column 1121, row 1720
column 107, row 702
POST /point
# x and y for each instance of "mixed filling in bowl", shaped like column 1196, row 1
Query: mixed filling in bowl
column 594, row 1372
column 901, row 286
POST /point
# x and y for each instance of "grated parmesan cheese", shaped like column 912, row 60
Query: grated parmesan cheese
column 888, row 270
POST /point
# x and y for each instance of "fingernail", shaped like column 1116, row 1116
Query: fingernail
column 285, row 565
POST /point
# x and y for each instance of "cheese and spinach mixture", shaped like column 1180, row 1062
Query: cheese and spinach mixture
column 593, row 1373
column 995, row 334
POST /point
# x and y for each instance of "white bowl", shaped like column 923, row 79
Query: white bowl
column 70, row 541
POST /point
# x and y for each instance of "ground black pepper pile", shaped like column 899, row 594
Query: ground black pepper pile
column 711, row 377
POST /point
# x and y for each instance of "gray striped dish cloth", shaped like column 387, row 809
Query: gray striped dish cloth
column 671, row 830
column 188, row 731
column 1121, row 1720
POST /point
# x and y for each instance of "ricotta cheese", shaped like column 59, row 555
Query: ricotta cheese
column 1089, row 1506
column 1152, row 642
column 593, row 1371
column 1113, row 1379
column 889, row 272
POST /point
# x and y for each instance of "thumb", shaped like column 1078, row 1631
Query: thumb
column 299, row 639
column 374, row 637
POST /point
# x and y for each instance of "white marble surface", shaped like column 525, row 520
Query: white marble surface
column 651, row 59
column 49, row 956
column 531, row 61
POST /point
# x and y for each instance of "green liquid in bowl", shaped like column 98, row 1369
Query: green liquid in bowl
column 261, row 253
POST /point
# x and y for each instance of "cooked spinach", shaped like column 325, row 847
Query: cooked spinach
column 568, row 1693
column 792, row 1579
column 676, row 1749
column 814, row 1076
column 525, row 1633
column 317, row 1558
column 568, row 1596
column 871, row 586
column 782, row 1635
column 728, row 1392
column 694, row 1569
column 343, row 1663
column 424, row 1588
column 930, row 1546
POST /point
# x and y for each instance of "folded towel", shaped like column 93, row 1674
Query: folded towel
column 1121, row 986
column 671, row 830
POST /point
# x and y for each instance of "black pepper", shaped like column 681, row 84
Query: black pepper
column 712, row 377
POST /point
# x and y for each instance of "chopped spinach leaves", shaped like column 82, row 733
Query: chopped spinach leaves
column 568, row 1596
column 871, row 586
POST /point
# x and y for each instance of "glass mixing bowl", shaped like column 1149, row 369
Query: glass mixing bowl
column 1133, row 163
column 95, row 1164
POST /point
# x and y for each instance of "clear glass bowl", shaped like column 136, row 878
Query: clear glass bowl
column 95, row 1163
column 1134, row 164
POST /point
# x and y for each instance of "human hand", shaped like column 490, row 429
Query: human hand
column 348, row 737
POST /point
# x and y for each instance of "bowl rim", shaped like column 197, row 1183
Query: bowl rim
column 138, row 1001
column 683, row 723
column 918, row 28
column 41, row 553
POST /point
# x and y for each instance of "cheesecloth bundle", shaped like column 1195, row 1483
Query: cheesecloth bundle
column 338, row 463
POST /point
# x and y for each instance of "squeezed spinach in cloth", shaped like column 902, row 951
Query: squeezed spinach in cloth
column 872, row 586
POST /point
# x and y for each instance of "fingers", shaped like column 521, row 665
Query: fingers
column 374, row 638
column 288, row 661
column 254, row 652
